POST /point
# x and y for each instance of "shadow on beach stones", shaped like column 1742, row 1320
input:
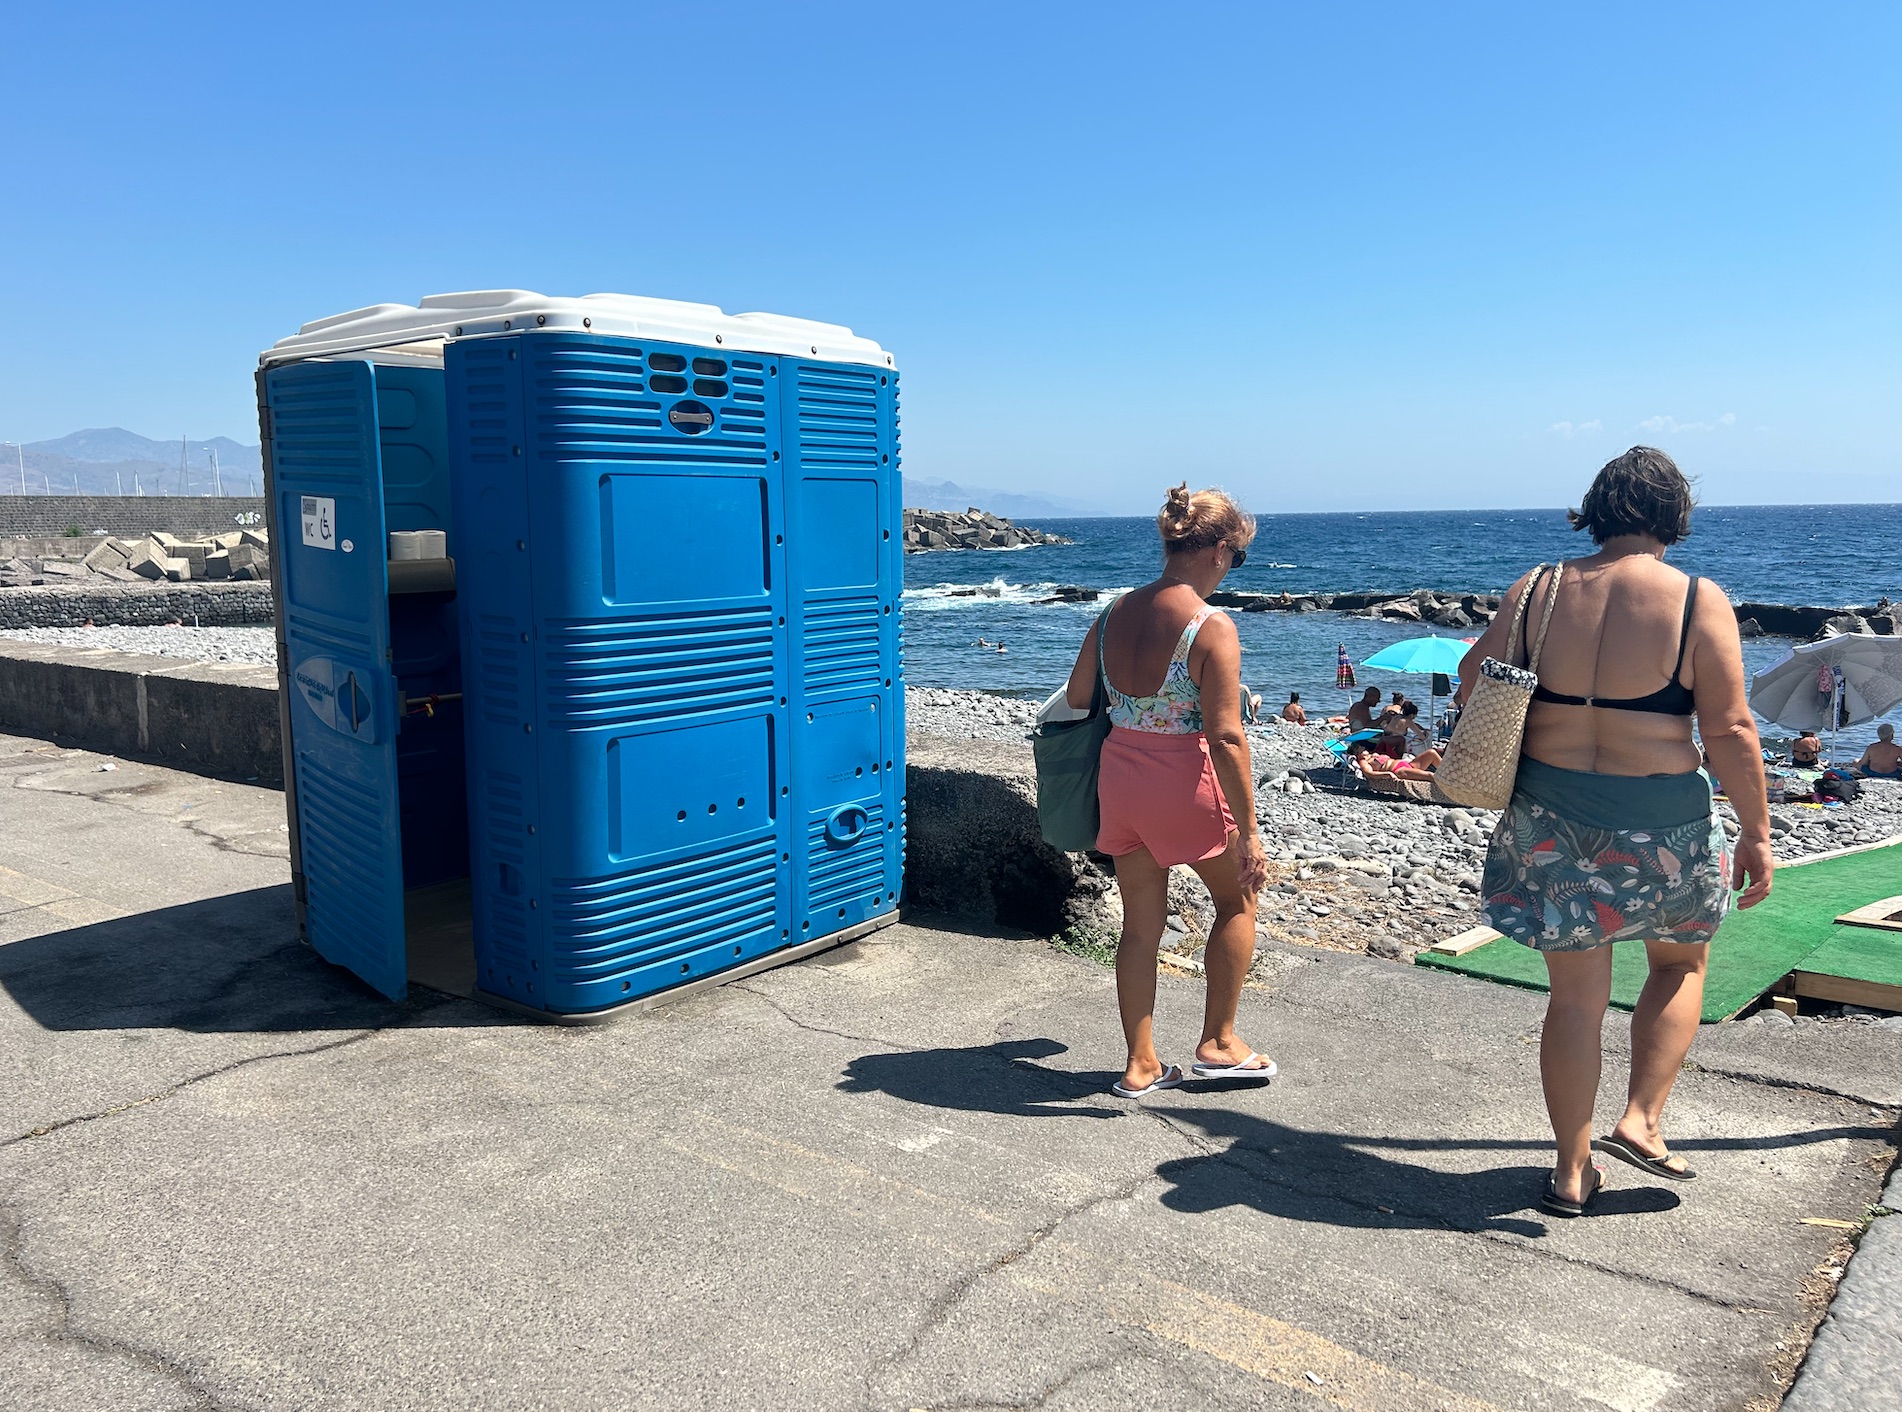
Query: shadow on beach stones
column 226, row 964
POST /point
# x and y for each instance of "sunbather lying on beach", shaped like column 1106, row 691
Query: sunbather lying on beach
column 1417, row 767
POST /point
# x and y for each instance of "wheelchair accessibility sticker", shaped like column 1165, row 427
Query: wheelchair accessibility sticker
column 320, row 522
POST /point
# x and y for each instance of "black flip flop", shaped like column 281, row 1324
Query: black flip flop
column 1559, row 1206
column 1613, row 1146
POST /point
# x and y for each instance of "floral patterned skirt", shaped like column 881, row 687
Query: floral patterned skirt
column 1581, row 859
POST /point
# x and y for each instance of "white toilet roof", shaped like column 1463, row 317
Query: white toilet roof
column 421, row 329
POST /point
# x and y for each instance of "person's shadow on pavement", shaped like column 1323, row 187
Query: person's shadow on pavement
column 1277, row 1169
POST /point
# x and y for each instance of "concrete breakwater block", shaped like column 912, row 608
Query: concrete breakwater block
column 159, row 557
column 972, row 529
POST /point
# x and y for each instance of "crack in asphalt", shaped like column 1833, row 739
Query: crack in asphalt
column 1040, row 1398
column 1234, row 1156
column 185, row 1083
column 13, row 1260
column 946, row 1302
column 1798, row 1085
column 798, row 1023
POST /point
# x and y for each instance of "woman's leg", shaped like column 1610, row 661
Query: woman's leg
column 1569, row 1056
column 1662, row 1028
column 1144, row 885
column 1227, row 957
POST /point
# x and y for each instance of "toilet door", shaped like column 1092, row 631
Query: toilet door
column 327, row 484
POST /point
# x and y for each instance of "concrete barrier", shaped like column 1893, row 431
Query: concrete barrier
column 973, row 846
column 216, row 718
column 43, row 515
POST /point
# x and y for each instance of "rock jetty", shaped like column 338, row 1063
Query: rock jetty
column 974, row 529
column 155, row 558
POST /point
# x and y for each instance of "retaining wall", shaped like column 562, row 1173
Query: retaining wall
column 216, row 718
column 109, row 604
column 128, row 515
column 973, row 846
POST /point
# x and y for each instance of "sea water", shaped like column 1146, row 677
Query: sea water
column 1805, row 554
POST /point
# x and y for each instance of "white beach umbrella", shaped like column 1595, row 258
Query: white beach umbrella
column 1871, row 683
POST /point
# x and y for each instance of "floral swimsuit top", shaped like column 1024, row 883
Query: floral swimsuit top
column 1174, row 710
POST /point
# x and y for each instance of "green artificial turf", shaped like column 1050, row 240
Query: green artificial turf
column 1794, row 928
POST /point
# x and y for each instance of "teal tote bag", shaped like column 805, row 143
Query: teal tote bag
column 1068, row 755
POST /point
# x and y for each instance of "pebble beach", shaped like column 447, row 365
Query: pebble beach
column 1384, row 877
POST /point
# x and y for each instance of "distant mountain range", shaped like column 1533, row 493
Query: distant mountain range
column 114, row 461
column 1012, row 505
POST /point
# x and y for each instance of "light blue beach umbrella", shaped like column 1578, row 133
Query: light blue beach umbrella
column 1422, row 654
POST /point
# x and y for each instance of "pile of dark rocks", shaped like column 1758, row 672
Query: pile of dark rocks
column 973, row 529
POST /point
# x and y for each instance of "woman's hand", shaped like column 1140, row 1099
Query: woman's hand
column 1750, row 870
column 1252, row 863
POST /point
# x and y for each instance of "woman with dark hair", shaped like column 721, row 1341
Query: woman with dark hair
column 1175, row 784
column 1611, row 834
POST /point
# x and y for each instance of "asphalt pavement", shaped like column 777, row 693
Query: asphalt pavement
column 891, row 1177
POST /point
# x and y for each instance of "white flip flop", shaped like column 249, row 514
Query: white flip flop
column 1243, row 1070
column 1171, row 1078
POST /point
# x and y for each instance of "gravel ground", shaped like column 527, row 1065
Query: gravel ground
column 239, row 644
column 1375, row 875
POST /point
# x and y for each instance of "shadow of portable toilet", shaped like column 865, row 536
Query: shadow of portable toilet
column 635, row 721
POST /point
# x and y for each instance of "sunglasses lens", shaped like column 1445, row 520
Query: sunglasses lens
column 1241, row 557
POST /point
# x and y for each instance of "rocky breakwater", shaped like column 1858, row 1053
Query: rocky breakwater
column 1423, row 605
column 150, row 581
column 973, row 529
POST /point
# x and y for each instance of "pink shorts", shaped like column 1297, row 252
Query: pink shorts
column 1160, row 792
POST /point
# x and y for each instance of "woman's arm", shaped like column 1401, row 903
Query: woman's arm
column 1221, row 683
column 1730, row 736
column 1492, row 642
column 1082, row 688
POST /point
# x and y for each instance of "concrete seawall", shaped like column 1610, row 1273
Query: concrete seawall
column 52, row 515
column 974, row 847
column 216, row 718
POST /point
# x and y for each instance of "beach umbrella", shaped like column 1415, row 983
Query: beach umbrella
column 1343, row 669
column 1441, row 655
column 1865, row 676
column 1421, row 654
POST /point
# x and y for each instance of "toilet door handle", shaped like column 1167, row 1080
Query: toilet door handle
column 847, row 823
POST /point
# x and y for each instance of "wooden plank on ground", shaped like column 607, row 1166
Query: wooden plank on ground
column 1466, row 941
column 1875, row 914
column 1871, row 995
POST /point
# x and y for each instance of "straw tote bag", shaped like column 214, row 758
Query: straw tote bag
column 1482, row 758
column 1069, row 755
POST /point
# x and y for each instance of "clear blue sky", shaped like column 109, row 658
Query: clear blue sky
column 1395, row 256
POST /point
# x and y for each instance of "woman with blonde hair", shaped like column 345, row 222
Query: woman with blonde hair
column 1175, row 783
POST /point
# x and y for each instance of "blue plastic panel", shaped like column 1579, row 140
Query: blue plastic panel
column 626, row 661
column 325, row 458
column 843, row 559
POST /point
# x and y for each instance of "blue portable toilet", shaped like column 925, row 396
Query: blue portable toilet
column 642, row 727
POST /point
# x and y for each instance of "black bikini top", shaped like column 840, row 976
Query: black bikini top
column 1671, row 699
